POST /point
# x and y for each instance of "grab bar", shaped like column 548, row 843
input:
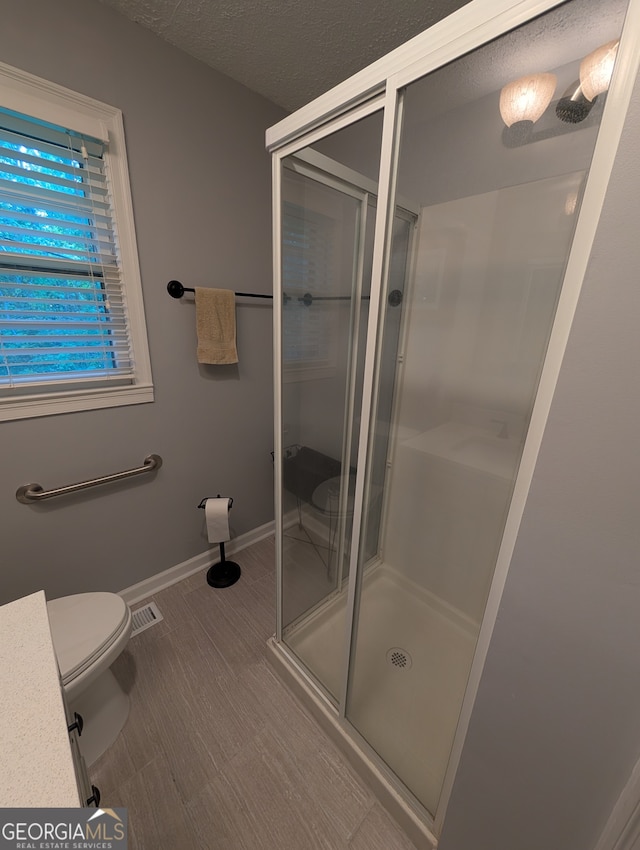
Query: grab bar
column 34, row 493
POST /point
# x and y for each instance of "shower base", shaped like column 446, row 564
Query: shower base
column 409, row 673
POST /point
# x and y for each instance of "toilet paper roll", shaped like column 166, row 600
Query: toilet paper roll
column 216, row 513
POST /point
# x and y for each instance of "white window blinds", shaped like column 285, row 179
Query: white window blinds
column 307, row 267
column 62, row 312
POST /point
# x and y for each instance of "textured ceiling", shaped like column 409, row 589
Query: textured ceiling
column 290, row 51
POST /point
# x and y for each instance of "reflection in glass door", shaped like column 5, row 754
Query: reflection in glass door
column 497, row 212
column 329, row 205
column 327, row 220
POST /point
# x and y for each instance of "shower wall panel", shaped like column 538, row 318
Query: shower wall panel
column 488, row 274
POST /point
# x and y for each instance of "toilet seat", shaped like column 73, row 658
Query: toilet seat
column 84, row 628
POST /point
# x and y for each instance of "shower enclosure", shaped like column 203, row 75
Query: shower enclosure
column 433, row 219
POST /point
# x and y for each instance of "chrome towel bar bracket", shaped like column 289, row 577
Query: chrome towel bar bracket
column 29, row 493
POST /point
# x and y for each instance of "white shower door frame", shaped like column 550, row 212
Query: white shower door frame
column 380, row 85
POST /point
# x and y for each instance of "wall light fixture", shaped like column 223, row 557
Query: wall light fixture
column 573, row 107
column 596, row 69
column 525, row 99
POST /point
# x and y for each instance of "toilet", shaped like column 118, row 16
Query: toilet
column 89, row 631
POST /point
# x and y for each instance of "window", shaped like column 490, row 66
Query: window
column 71, row 318
column 307, row 267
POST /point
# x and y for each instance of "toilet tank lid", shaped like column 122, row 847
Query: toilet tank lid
column 82, row 625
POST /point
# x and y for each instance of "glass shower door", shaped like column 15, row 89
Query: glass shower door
column 327, row 221
column 497, row 215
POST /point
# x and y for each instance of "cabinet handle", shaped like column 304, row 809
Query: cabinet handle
column 94, row 799
column 77, row 724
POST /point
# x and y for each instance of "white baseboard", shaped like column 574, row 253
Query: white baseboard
column 312, row 520
column 160, row 581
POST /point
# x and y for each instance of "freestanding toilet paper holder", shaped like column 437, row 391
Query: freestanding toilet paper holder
column 225, row 573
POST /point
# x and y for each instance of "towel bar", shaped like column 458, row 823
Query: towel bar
column 177, row 290
column 29, row 493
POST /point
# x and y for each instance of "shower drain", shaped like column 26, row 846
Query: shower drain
column 399, row 658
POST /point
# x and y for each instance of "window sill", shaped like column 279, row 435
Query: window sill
column 73, row 401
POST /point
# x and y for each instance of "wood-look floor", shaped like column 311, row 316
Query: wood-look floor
column 216, row 753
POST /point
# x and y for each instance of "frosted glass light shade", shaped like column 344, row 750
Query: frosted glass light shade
column 527, row 98
column 596, row 69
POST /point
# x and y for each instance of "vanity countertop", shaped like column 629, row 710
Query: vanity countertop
column 36, row 765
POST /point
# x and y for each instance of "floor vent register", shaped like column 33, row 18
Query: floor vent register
column 145, row 617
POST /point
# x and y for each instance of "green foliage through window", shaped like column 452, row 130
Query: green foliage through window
column 57, row 252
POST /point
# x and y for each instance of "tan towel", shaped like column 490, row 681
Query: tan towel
column 216, row 325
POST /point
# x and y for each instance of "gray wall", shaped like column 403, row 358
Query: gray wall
column 555, row 730
column 555, row 733
column 201, row 193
